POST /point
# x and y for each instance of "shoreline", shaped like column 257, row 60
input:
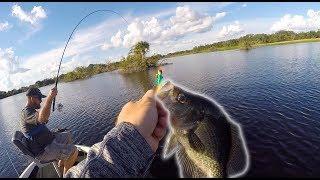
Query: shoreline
column 253, row 46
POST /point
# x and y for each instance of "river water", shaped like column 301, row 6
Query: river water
column 273, row 92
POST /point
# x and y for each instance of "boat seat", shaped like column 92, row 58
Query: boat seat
column 21, row 142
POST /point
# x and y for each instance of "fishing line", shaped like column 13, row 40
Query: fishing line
column 57, row 78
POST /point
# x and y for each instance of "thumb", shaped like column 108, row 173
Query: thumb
column 149, row 96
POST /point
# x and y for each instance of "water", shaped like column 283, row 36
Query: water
column 273, row 92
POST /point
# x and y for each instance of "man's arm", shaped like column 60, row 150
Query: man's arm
column 45, row 111
column 128, row 149
column 122, row 153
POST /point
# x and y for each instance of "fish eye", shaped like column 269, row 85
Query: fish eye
column 181, row 98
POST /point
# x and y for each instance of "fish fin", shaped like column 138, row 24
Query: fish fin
column 187, row 167
column 195, row 142
column 170, row 146
column 238, row 159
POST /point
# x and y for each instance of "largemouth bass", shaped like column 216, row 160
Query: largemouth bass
column 204, row 140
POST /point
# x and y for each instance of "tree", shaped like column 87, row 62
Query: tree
column 245, row 45
column 137, row 60
column 141, row 48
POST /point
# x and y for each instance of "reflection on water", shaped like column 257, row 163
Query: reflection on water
column 141, row 80
column 273, row 92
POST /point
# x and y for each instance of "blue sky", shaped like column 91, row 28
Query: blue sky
column 32, row 35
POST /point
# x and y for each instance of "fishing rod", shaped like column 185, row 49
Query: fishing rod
column 65, row 47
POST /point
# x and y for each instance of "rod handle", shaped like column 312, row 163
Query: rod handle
column 53, row 103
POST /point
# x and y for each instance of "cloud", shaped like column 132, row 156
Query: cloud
column 33, row 18
column 106, row 46
column 244, row 5
column 9, row 67
column 220, row 15
column 36, row 14
column 9, row 62
column 142, row 30
column 45, row 64
column 231, row 30
column 116, row 41
column 185, row 21
column 5, row 26
column 298, row 22
column 75, row 62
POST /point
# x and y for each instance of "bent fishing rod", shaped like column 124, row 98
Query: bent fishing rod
column 65, row 47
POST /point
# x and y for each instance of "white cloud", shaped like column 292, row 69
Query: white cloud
column 74, row 63
column 36, row 14
column 231, row 30
column 33, row 17
column 220, row 15
column 116, row 39
column 45, row 64
column 142, row 30
column 9, row 63
column 244, row 5
column 298, row 22
column 106, row 46
column 9, row 67
column 185, row 21
column 5, row 26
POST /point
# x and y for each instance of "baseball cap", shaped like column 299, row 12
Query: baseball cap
column 33, row 91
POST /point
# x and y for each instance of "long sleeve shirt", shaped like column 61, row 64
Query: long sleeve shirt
column 123, row 153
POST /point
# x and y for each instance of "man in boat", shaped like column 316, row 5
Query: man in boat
column 129, row 148
column 44, row 144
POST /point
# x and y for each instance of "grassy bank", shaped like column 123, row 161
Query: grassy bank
column 239, row 47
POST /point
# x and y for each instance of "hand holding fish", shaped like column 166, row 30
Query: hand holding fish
column 206, row 142
column 149, row 117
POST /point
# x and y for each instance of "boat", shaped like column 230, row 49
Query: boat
column 37, row 169
column 50, row 169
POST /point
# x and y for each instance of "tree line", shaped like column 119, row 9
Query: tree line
column 137, row 60
column 248, row 41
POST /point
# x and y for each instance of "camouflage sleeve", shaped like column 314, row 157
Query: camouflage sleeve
column 122, row 153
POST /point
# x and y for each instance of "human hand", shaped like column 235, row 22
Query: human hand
column 53, row 92
column 149, row 117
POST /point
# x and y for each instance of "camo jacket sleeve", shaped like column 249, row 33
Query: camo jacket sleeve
column 122, row 153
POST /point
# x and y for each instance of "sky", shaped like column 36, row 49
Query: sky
column 33, row 35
